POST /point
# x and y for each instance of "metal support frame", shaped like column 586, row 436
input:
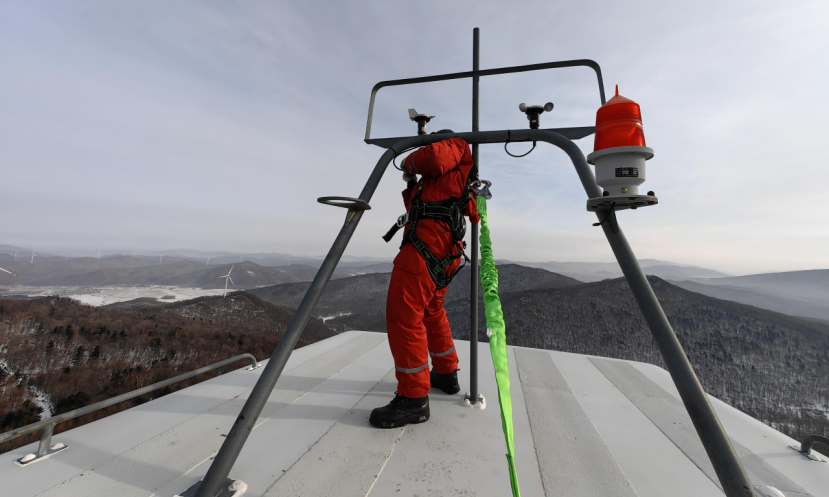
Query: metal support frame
column 729, row 470
column 47, row 426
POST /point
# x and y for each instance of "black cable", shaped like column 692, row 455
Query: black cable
column 512, row 155
column 393, row 163
column 607, row 216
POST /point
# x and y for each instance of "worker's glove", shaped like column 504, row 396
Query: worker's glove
column 407, row 176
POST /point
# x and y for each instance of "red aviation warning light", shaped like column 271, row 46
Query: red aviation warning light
column 619, row 124
column 619, row 154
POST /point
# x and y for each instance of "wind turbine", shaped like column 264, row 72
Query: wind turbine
column 227, row 277
column 160, row 259
column 15, row 254
column 133, row 254
column 240, row 259
column 99, row 254
column 208, row 261
column 7, row 271
column 33, row 258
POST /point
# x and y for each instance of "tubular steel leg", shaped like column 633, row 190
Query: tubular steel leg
column 473, row 291
column 238, row 434
column 729, row 470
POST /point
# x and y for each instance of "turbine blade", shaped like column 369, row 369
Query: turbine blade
column 7, row 271
column 231, row 281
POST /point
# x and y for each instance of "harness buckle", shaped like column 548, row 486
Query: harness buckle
column 402, row 220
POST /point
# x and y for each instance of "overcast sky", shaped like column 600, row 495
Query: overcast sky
column 215, row 125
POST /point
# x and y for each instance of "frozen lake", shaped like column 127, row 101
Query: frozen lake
column 99, row 296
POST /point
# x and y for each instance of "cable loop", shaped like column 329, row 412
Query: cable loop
column 509, row 138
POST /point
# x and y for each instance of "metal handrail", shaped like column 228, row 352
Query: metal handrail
column 485, row 72
column 810, row 441
column 46, row 426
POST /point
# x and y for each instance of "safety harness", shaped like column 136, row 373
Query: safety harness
column 449, row 211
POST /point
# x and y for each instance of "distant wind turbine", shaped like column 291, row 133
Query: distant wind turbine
column 161, row 258
column 208, row 261
column 15, row 254
column 7, row 271
column 240, row 259
column 99, row 254
column 133, row 254
column 33, row 258
column 227, row 277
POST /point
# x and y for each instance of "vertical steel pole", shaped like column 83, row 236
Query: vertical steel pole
column 473, row 291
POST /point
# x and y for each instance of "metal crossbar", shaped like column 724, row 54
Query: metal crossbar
column 46, row 426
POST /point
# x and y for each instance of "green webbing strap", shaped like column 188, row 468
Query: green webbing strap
column 497, row 340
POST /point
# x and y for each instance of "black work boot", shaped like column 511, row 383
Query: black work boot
column 400, row 412
column 446, row 382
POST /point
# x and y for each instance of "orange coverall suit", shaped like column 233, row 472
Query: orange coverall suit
column 415, row 319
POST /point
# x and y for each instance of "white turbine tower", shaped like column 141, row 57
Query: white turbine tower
column 33, row 258
column 208, row 261
column 240, row 259
column 160, row 259
column 99, row 254
column 227, row 277
column 15, row 254
column 133, row 254
column 7, row 271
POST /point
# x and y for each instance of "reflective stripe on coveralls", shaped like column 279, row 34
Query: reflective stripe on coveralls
column 442, row 353
column 413, row 370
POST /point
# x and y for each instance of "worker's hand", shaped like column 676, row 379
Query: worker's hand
column 407, row 176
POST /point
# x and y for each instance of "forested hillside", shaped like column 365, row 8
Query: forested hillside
column 359, row 303
column 57, row 354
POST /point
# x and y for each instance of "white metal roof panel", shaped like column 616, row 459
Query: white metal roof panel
column 583, row 426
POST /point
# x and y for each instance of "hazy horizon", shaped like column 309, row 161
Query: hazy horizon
column 151, row 125
column 197, row 254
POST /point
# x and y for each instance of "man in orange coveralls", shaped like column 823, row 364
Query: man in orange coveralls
column 415, row 319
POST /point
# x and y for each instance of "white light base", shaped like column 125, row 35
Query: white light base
column 620, row 170
column 620, row 202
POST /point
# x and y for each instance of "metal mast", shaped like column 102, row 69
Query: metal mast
column 473, row 293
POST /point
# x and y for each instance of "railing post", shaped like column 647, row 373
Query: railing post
column 45, row 440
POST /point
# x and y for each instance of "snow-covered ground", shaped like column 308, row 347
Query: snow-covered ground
column 98, row 296
column 338, row 315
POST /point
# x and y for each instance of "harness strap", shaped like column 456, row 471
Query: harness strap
column 440, row 211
